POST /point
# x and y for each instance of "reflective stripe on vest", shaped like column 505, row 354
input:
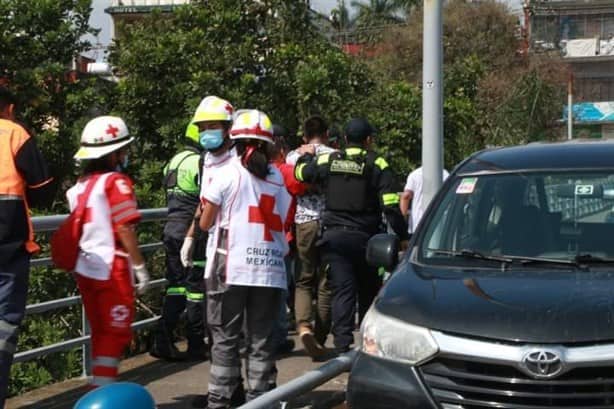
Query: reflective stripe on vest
column 10, row 197
column 12, row 184
column 390, row 199
column 195, row 297
column 175, row 291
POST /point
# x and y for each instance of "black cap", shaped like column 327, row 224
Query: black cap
column 279, row 130
column 358, row 129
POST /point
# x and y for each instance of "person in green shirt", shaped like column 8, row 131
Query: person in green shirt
column 185, row 284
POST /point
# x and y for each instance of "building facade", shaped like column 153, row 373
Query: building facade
column 582, row 33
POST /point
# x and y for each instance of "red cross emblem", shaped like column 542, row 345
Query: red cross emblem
column 264, row 214
column 111, row 130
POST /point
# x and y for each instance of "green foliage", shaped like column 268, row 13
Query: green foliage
column 526, row 113
column 276, row 63
column 46, row 329
column 39, row 40
column 492, row 96
column 340, row 16
column 397, row 116
column 331, row 84
column 377, row 12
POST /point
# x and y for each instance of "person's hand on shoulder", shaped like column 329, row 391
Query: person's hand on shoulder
column 308, row 148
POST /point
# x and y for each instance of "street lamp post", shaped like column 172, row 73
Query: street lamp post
column 432, row 100
column 570, row 106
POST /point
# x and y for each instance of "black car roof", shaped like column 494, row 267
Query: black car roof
column 574, row 154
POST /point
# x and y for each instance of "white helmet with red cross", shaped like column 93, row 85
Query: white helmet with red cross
column 101, row 136
column 252, row 124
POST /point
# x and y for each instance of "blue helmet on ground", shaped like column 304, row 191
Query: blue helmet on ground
column 117, row 395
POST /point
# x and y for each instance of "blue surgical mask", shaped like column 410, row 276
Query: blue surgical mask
column 211, row 138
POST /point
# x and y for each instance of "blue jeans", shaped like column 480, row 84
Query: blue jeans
column 13, row 293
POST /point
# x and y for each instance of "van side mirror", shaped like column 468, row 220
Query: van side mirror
column 383, row 251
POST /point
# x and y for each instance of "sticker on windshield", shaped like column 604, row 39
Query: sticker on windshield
column 584, row 190
column 466, row 186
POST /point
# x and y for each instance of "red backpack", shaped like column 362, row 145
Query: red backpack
column 65, row 240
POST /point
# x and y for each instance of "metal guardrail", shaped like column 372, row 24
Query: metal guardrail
column 305, row 383
column 46, row 224
column 277, row 396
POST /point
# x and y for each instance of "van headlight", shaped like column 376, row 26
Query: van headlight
column 390, row 338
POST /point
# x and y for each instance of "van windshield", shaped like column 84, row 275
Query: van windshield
column 550, row 215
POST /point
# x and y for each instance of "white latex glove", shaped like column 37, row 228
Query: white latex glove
column 187, row 248
column 142, row 278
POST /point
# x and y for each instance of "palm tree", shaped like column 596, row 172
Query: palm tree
column 405, row 6
column 340, row 16
column 377, row 12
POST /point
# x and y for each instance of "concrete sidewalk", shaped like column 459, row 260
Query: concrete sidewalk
column 175, row 384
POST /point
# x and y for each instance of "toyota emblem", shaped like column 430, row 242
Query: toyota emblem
column 543, row 363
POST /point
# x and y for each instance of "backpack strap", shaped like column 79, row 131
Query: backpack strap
column 82, row 200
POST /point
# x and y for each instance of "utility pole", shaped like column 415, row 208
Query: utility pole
column 570, row 106
column 432, row 100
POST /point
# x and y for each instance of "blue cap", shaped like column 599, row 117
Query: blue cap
column 117, row 395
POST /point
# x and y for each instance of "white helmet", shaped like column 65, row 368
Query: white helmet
column 252, row 124
column 101, row 136
column 213, row 108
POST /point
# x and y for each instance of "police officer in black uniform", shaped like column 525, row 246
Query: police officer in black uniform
column 358, row 188
column 185, row 289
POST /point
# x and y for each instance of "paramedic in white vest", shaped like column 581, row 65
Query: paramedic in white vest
column 109, row 248
column 245, row 272
column 213, row 118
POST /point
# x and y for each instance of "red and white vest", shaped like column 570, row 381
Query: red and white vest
column 254, row 212
column 98, row 240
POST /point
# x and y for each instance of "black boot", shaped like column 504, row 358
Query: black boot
column 238, row 396
column 237, row 399
column 163, row 348
column 197, row 350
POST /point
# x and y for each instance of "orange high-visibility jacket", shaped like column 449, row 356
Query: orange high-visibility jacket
column 23, row 177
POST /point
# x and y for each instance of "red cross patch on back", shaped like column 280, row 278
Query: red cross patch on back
column 264, row 214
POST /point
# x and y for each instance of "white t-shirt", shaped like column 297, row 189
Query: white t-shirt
column 414, row 184
column 211, row 163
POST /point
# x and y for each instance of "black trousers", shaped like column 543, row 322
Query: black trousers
column 14, row 275
column 185, row 291
column 350, row 279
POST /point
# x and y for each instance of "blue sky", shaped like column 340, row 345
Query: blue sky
column 99, row 19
